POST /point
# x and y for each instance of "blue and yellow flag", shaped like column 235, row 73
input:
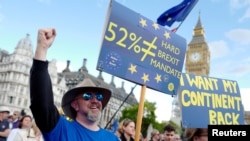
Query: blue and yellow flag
column 177, row 13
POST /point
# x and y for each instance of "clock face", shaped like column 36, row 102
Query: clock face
column 195, row 57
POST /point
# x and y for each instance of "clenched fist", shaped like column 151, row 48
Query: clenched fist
column 45, row 38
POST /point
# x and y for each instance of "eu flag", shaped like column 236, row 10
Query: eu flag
column 176, row 13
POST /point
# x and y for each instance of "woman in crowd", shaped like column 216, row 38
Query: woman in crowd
column 26, row 131
column 126, row 130
column 155, row 135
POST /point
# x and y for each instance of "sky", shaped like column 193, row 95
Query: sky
column 80, row 23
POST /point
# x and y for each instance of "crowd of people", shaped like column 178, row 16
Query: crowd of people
column 170, row 134
column 126, row 132
column 22, row 128
column 17, row 127
column 83, row 104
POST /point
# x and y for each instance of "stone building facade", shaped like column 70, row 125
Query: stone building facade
column 14, row 82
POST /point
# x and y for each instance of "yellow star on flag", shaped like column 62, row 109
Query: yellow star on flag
column 156, row 26
column 167, row 35
column 145, row 77
column 132, row 68
column 143, row 22
column 158, row 78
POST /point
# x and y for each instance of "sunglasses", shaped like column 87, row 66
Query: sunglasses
column 88, row 96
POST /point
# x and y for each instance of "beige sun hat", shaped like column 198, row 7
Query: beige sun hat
column 4, row 109
column 85, row 86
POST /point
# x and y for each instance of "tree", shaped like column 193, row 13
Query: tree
column 160, row 126
column 148, row 115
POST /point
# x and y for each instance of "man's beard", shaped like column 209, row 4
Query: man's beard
column 93, row 117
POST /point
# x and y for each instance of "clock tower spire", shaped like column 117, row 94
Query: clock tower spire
column 198, row 54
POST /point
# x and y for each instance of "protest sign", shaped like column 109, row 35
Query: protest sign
column 210, row 101
column 139, row 50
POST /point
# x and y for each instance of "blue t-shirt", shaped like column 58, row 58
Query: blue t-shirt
column 73, row 131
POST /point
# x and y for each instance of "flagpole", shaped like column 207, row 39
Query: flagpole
column 175, row 29
column 131, row 92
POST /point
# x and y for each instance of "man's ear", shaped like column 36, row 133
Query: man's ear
column 74, row 105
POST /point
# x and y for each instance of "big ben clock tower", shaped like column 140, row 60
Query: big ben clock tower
column 198, row 54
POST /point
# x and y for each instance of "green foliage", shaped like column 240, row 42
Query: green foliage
column 160, row 126
column 147, row 118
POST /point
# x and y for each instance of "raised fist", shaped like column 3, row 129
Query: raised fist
column 46, row 37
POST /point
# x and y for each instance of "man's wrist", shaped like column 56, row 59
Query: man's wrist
column 40, row 53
